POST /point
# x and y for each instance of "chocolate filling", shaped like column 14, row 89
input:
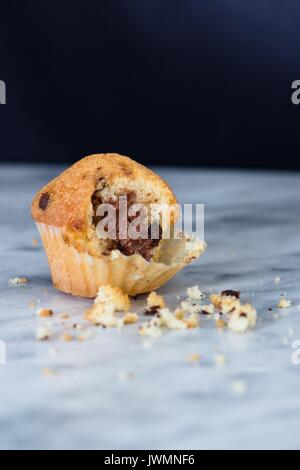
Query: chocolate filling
column 43, row 202
column 128, row 246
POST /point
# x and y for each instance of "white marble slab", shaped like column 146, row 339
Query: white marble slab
column 252, row 231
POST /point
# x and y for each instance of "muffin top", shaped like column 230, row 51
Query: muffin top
column 70, row 201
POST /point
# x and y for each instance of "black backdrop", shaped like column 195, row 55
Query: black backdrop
column 199, row 82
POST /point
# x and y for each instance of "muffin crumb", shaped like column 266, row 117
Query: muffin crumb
column 18, row 281
column 43, row 333
column 284, row 303
column 66, row 337
column 130, row 318
column 194, row 293
column 44, row 312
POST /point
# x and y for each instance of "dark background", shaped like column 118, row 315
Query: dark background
column 198, row 82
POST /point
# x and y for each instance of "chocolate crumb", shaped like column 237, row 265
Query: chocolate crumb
column 43, row 202
column 270, row 309
column 231, row 293
column 244, row 315
column 151, row 311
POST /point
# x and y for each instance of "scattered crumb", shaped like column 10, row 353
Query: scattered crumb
column 32, row 304
column 44, row 312
column 108, row 301
column 166, row 319
column 220, row 323
column 239, row 387
column 231, row 293
column 64, row 316
column 192, row 321
column 240, row 316
column 18, row 281
column 34, row 242
column 277, row 280
column 195, row 358
column 124, row 376
column 189, row 307
column 43, row 333
column 194, row 293
column 66, row 337
column 207, row 309
column 130, row 318
column 82, row 337
column 47, row 372
column 155, row 300
column 220, row 359
column 284, row 303
column 77, row 326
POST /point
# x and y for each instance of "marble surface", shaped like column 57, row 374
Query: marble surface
column 252, row 228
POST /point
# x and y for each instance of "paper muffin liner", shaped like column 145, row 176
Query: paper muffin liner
column 80, row 274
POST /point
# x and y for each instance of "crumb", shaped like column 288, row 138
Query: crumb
column 276, row 280
column 207, row 309
column 113, row 296
column 64, row 316
column 82, row 337
column 151, row 311
column 195, row 358
column 240, row 316
column 125, row 376
column 66, row 337
column 43, row 333
column 231, row 293
column 78, row 326
column 108, row 301
column 155, row 300
column 192, row 321
column 47, row 372
column 194, row 293
column 44, row 312
column 220, row 359
column 32, row 304
column 284, row 303
column 270, row 309
column 34, row 242
column 130, row 318
column 239, row 387
column 18, row 281
column 238, row 324
column 179, row 313
column 220, row 323
column 189, row 307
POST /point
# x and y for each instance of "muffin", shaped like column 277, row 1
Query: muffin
column 82, row 253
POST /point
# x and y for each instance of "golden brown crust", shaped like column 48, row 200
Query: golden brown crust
column 65, row 201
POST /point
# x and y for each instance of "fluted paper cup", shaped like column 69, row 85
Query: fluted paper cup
column 81, row 274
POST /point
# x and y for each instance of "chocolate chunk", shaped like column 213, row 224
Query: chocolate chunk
column 43, row 202
column 231, row 293
column 151, row 311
